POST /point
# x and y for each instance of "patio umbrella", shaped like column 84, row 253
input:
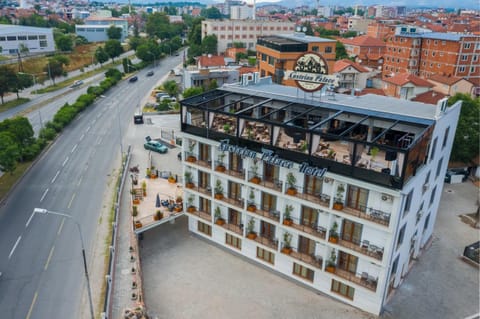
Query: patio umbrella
column 157, row 202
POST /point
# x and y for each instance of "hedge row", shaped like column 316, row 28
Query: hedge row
column 68, row 112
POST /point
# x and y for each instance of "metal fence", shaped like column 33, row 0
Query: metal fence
column 107, row 305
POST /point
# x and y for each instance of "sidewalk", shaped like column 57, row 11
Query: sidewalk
column 27, row 93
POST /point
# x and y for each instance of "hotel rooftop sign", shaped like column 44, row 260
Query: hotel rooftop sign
column 310, row 72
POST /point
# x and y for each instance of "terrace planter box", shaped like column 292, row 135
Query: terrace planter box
column 292, row 191
column 220, row 168
column 252, row 236
column 191, row 159
column 218, row 196
column 288, row 222
column 251, row 208
column 255, row 180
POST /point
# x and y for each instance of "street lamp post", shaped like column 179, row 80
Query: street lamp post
column 89, row 290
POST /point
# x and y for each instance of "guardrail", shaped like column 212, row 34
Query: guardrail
column 107, row 305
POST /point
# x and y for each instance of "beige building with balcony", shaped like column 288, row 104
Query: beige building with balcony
column 339, row 193
column 245, row 31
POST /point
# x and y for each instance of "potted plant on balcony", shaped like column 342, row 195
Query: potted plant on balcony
column 189, row 180
column 190, row 207
column 291, row 180
column 338, row 204
column 134, row 211
column 331, row 263
column 304, row 147
column 251, row 234
column 220, row 164
column 251, row 202
column 333, row 234
column 255, row 178
column 250, row 134
column 191, row 157
column 148, row 172
column 218, row 217
column 138, row 224
column 172, row 179
column 144, row 188
column 227, row 128
column 287, row 218
column 218, row 190
column 158, row 215
column 287, row 239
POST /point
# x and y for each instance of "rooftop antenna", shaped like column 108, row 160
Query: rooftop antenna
column 254, row 9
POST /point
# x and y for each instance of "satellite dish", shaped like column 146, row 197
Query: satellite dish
column 299, row 29
column 304, row 29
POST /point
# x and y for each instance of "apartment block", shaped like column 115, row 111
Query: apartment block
column 245, row 31
column 340, row 194
column 428, row 53
column 96, row 27
column 277, row 54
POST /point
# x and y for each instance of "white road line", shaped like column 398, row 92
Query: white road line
column 100, row 141
column 29, row 220
column 88, row 128
column 44, row 194
column 61, row 226
column 74, row 148
column 65, row 161
column 55, row 177
column 81, row 137
column 14, row 246
column 80, row 180
column 49, row 257
column 31, row 306
column 71, row 200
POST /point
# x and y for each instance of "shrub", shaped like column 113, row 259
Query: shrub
column 86, row 98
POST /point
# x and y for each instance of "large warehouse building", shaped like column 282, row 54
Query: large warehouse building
column 36, row 40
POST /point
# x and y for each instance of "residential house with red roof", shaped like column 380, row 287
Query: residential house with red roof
column 451, row 85
column 429, row 97
column 351, row 75
column 210, row 61
column 367, row 50
column 405, row 86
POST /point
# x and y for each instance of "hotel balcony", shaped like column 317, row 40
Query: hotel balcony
column 206, row 190
column 363, row 144
column 272, row 214
column 239, row 203
column 222, row 168
column 268, row 182
column 234, row 228
column 267, row 241
column 192, row 158
column 365, row 248
column 201, row 214
column 309, row 195
column 311, row 229
column 313, row 260
column 364, row 279
column 373, row 215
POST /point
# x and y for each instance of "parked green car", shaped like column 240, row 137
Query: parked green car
column 155, row 146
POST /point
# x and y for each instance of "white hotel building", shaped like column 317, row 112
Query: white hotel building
column 339, row 192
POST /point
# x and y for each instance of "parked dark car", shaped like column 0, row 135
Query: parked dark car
column 133, row 79
column 150, row 73
column 456, row 171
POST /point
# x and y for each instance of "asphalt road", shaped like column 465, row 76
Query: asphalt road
column 41, row 263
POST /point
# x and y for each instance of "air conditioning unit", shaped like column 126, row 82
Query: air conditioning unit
column 425, row 187
column 387, row 198
column 328, row 180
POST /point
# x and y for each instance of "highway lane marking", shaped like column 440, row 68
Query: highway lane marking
column 80, row 180
column 31, row 306
column 29, row 220
column 100, row 141
column 81, row 137
column 49, row 257
column 65, row 161
column 44, row 194
column 71, row 200
column 14, row 247
column 74, row 148
column 61, row 226
column 55, row 177
column 88, row 129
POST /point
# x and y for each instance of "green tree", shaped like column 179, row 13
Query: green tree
column 113, row 49
column 23, row 81
column 64, row 42
column 79, row 40
column 239, row 45
column 195, row 34
column 8, row 79
column 21, row 132
column 209, row 44
column 170, row 87
column 101, row 55
column 240, row 55
column 158, row 24
column 340, row 52
column 56, row 66
column 135, row 42
column 467, row 137
column 114, row 33
column 212, row 85
column 9, row 152
column 195, row 90
column 349, row 34
column 211, row 13
column 148, row 51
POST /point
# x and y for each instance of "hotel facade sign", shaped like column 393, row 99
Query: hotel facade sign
column 269, row 157
column 310, row 72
